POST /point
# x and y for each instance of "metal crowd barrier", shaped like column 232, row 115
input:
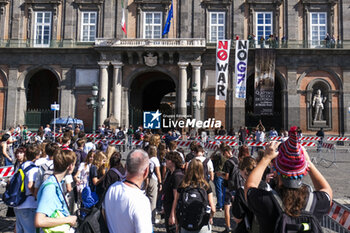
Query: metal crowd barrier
column 337, row 219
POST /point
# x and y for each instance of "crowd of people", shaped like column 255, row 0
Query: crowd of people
column 65, row 178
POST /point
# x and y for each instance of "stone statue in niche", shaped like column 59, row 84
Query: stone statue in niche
column 318, row 105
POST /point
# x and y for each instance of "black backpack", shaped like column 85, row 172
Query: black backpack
column 206, row 169
column 306, row 222
column 15, row 193
column 193, row 210
column 94, row 222
column 235, row 180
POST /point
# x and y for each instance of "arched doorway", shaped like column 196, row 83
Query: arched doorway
column 275, row 120
column 149, row 92
column 41, row 92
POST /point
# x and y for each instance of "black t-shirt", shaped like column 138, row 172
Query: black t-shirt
column 94, row 173
column 172, row 181
column 112, row 177
column 240, row 210
column 230, row 164
column 263, row 206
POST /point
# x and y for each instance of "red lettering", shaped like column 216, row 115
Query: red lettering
column 222, row 55
column 223, row 46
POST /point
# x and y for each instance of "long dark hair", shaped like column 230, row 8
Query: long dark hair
column 294, row 200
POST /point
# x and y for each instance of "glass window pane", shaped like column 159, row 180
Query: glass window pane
column 268, row 16
column 47, row 17
column 93, row 18
column 213, row 18
column 260, row 21
column 260, row 16
column 221, row 19
column 156, row 20
column 323, row 21
column 267, row 21
column 39, row 18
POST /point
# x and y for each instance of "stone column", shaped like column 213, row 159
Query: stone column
column 196, row 80
column 117, row 91
column 11, row 103
column 126, row 104
column 293, row 98
column 103, row 90
column 346, row 102
column 182, row 89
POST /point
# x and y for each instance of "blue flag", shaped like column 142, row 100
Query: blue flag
column 168, row 20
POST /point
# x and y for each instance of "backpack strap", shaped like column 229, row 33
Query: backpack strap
column 277, row 200
column 118, row 173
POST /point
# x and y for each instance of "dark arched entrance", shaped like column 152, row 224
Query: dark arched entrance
column 275, row 120
column 42, row 91
column 150, row 92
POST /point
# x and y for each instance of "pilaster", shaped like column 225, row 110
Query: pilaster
column 103, row 90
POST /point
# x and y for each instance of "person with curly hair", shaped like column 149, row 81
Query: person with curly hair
column 172, row 181
column 291, row 163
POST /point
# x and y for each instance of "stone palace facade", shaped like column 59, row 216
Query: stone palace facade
column 55, row 50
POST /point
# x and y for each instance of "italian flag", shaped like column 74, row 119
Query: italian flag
column 123, row 18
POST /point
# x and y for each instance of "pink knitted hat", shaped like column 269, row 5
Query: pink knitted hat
column 290, row 162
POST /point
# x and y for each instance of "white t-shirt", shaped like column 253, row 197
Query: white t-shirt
column 41, row 161
column 47, row 130
column 260, row 136
column 210, row 163
column 30, row 176
column 128, row 210
column 156, row 163
column 83, row 176
column 39, row 177
column 89, row 146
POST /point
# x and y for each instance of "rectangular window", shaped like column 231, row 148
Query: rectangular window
column 88, row 26
column 318, row 28
column 42, row 31
column 152, row 26
column 264, row 25
column 216, row 26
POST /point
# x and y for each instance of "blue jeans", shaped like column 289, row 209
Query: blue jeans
column 220, row 191
column 7, row 162
column 25, row 220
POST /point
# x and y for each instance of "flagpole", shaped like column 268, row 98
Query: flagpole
column 174, row 32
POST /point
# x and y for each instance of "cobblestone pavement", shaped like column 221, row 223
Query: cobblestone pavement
column 336, row 174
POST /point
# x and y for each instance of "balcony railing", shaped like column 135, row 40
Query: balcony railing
column 178, row 42
column 173, row 43
column 18, row 43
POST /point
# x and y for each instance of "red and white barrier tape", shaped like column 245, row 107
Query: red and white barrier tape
column 328, row 145
column 340, row 215
column 225, row 138
column 6, row 171
column 337, row 139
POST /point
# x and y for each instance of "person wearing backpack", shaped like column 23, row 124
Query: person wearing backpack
column 293, row 204
column 194, row 201
column 115, row 173
column 228, row 173
column 241, row 213
column 25, row 212
column 45, row 170
column 219, row 160
column 172, row 180
column 207, row 163
column 52, row 208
